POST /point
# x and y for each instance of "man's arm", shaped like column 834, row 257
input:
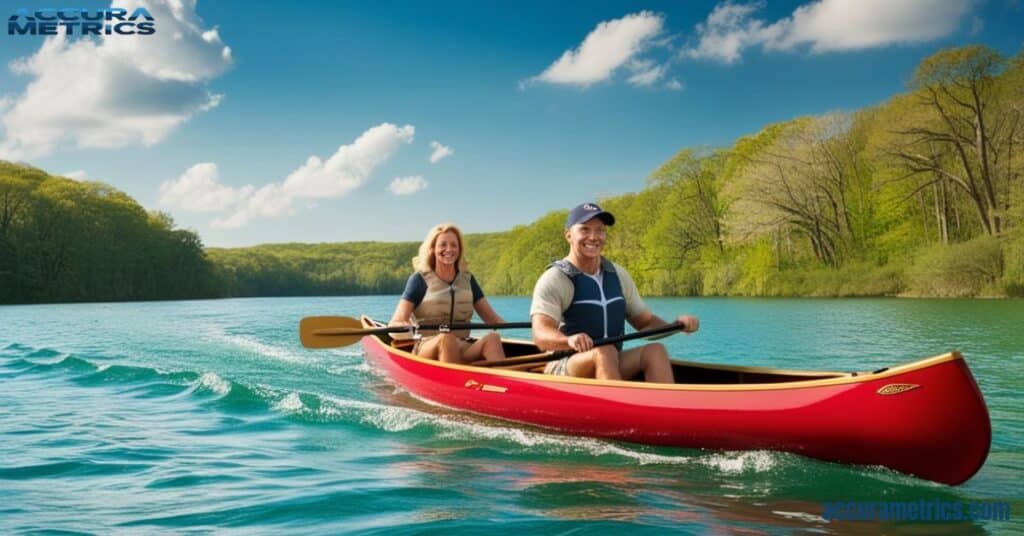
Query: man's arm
column 646, row 319
column 639, row 316
column 548, row 337
column 546, row 308
column 649, row 320
column 551, row 296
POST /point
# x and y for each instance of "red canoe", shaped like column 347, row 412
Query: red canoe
column 925, row 418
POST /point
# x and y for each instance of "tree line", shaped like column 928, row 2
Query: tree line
column 63, row 240
column 920, row 195
column 67, row 241
column 346, row 269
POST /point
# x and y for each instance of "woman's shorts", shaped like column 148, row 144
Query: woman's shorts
column 421, row 340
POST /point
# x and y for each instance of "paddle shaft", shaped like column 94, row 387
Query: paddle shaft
column 344, row 332
column 559, row 354
column 338, row 331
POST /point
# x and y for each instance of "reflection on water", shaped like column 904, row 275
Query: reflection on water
column 574, row 490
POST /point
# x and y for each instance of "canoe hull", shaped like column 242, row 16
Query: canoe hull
column 929, row 421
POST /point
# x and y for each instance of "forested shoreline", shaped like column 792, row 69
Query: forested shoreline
column 68, row 241
column 922, row 195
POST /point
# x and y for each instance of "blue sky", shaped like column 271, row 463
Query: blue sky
column 541, row 105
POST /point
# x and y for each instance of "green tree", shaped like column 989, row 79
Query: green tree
column 970, row 135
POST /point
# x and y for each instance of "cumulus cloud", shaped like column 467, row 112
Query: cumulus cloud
column 856, row 24
column 728, row 30
column 199, row 188
column 439, row 152
column 113, row 91
column 267, row 202
column 350, row 166
column 609, row 46
column 825, row 26
column 407, row 185
column 76, row 175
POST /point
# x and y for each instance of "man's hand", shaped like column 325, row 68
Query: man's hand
column 581, row 342
column 690, row 323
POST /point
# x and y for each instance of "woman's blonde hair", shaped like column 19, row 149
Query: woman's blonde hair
column 425, row 260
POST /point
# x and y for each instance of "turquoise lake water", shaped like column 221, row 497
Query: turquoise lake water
column 205, row 416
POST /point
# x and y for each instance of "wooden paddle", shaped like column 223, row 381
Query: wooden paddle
column 667, row 329
column 338, row 331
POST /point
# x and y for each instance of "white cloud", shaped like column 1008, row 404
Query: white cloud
column 268, row 202
column 829, row 25
column 350, row 166
column 440, row 152
column 645, row 73
column 199, row 188
column 76, row 175
column 113, row 91
column 407, row 185
column 674, row 85
column 825, row 26
column 727, row 31
column 610, row 45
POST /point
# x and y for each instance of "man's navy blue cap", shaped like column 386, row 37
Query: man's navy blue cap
column 586, row 212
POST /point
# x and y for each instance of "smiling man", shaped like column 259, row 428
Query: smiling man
column 585, row 297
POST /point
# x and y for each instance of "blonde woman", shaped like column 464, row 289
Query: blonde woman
column 442, row 291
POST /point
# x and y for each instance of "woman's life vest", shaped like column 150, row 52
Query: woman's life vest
column 445, row 303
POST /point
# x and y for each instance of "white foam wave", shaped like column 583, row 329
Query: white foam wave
column 398, row 419
column 459, row 427
column 387, row 418
column 348, row 369
column 214, row 383
column 800, row 516
column 290, row 404
column 757, row 461
column 559, row 443
column 261, row 348
column 348, row 351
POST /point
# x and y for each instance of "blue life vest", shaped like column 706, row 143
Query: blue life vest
column 598, row 311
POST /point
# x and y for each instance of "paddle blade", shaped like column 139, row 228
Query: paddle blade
column 311, row 328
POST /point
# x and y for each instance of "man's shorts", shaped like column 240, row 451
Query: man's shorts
column 558, row 368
